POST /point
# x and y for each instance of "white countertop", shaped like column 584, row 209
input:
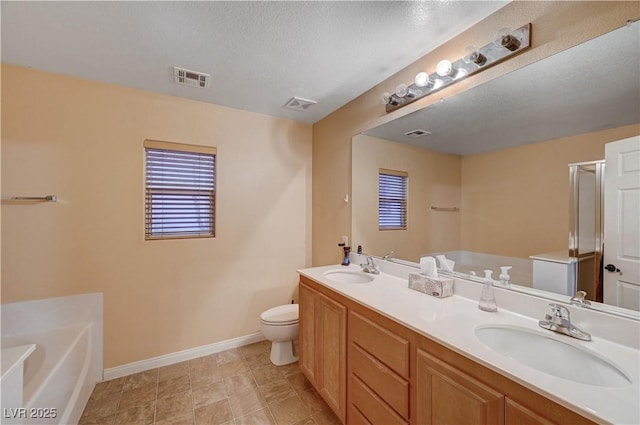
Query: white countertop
column 554, row 257
column 452, row 321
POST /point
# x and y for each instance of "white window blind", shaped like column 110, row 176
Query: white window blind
column 392, row 200
column 180, row 194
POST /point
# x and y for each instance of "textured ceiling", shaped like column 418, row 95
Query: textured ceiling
column 590, row 87
column 259, row 54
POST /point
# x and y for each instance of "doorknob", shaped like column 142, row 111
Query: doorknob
column 611, row 268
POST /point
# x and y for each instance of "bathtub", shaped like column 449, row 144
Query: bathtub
column 61, row 372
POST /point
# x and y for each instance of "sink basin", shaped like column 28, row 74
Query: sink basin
column 549, row 355
column 348, row 276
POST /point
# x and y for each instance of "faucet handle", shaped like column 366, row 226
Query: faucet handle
column 559, row 311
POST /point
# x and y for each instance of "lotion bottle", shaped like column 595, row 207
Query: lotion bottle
column 487, row 298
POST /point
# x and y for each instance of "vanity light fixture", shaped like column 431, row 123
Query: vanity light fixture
column 506, row 43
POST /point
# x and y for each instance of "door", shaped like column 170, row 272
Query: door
column 331, row 347
column 622, row 223
column 307, row 333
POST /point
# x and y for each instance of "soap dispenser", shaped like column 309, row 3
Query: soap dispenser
column 504, row 275
column 487, row 298
column 346, row 250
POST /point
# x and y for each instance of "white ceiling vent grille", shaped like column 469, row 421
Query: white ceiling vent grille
column 187, row 77
column 299, row 104
column 417, row 133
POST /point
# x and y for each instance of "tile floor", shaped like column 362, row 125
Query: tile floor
column 234, row 387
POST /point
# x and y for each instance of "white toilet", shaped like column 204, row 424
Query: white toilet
column 280, row 326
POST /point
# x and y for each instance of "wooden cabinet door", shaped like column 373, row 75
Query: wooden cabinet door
column 307, row 360
column 446, row 395
column 517, row 414
column 331, row 319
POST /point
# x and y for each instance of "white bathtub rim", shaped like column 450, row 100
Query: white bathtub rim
column 80, row 396
column 74, row 403
column 180, row 356
column 35, row 338
column 13, row 357
column 34, row 316
column 44, row 384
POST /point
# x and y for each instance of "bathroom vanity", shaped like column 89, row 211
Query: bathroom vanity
column 380, row 353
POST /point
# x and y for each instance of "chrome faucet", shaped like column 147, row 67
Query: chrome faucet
column 387, row 256
column 560, row 321
column 579, row 299
column 370, row 267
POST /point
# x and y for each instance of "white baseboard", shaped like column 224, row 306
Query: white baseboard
column 180, row 356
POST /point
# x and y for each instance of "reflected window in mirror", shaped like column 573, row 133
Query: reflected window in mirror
column 392, row 199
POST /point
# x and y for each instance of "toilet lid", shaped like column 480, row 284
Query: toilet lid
column 281, row 314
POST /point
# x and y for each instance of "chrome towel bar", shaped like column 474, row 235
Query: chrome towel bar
column 47, row 198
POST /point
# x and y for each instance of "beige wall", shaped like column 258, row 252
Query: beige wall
column 82, row 141
column 434, row 179
column 515, row 201
column 556, row 27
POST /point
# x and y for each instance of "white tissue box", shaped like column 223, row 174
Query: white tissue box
column 439, row 287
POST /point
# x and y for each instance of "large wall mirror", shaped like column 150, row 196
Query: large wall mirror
column 489, row 183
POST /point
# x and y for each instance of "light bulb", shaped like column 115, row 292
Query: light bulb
column 444, row 68
column 386, row 97
column 504, row 38
column 468, row 51
column 497, row 37
column 402, row 90
column 478, row 58
column 472, row 55
column 422, row 79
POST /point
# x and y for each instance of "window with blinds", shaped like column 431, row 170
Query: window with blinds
column 180, row 190
column 392, row 200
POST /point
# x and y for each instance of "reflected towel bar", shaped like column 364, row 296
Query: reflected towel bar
column 48, row 198
column 453, row 209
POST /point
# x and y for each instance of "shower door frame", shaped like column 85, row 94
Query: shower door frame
column 574, row 224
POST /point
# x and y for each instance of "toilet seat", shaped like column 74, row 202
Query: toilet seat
column 280, row 316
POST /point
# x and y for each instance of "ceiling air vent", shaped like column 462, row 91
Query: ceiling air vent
column 187, row 77
column 299, row 104
column 417, row 133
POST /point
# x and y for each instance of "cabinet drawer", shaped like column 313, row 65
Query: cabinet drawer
column 388, row 347
column 372, row 407
column 355, row 417
column 382, row 380
column 446, row 395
